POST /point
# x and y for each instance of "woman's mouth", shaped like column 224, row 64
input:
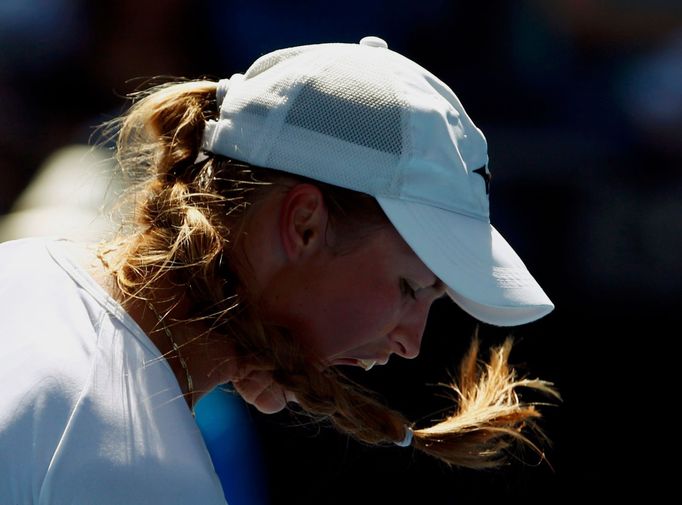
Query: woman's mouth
column 367, row 364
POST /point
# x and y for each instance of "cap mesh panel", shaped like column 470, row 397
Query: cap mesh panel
column 347, row 116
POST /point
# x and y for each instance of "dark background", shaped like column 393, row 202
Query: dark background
column 581, row 103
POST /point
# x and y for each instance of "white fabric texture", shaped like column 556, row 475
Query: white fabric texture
column 90, row 413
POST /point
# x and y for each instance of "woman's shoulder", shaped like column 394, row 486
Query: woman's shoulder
column 21, row 251
column 28, row 273
column 42, row 305
column 32, row 272
column 27, row 259
column 48, row 267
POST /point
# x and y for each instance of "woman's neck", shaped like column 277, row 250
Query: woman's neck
column 200, row 359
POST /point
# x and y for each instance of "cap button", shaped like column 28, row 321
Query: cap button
column 372, row 41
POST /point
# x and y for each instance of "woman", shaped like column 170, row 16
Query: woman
column 298, row 217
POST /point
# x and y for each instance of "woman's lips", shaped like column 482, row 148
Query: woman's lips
column 367, row 364
column 364, row 363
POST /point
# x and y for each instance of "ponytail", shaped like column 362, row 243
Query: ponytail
column 488, row 417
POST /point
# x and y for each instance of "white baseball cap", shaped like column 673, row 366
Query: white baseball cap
column 366, row 118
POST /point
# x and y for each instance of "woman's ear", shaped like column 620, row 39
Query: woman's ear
column 303, row 221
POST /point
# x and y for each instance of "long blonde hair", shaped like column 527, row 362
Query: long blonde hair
column 188, row 215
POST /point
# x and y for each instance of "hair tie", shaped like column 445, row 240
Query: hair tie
column 221, row 91
column 224, row 85
column 201, row 156
column 407, row 441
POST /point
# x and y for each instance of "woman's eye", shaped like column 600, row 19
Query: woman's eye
column 407, row 290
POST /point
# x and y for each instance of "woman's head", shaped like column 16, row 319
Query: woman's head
column 291, row 262
column 363, row 117
column 350, row 300
column 234, row 238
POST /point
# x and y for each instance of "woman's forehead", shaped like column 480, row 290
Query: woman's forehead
column 386, row 244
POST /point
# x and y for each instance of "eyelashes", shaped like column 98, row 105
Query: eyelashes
column 406, row 289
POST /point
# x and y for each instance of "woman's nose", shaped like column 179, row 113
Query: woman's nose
column 407, row 335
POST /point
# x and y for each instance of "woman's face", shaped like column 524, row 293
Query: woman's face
column 357, row 307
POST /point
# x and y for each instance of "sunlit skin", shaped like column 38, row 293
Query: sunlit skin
column 366, row 302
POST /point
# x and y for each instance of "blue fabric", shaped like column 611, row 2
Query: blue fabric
column 232, row 441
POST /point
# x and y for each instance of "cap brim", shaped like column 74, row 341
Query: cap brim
column 484, row 275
